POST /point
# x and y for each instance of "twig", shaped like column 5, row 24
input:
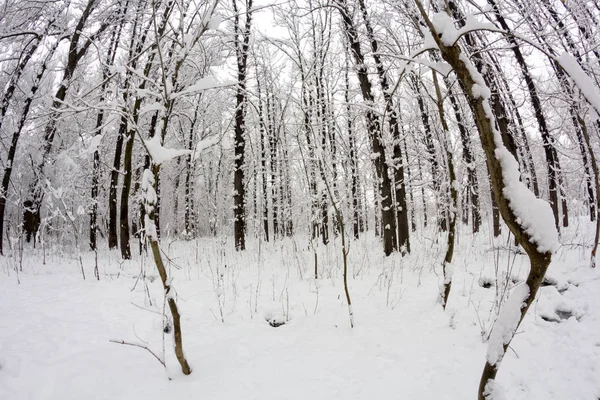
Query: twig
column 141, row 347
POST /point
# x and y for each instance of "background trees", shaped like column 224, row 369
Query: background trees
column 313, row 104
column 297, row 121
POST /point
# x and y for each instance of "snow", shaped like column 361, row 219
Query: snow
column 205, row 144
column 214, row 22
column 94, row 143
column 481, row 91
column 581, row 79
column 201, row 84
column 56, row 328
column 506, row 324
column 533, row 214
column 150, row 200
column 156, row 106
column 160, row 154
column 493, row 391
column 444, row 26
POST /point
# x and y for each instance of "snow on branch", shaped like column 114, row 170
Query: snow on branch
column 160, row 154
column 201, row 85
column 581, row 79
column 449, row 35
column 205, row 144
column 506, row 324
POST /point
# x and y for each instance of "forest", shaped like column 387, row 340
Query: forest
column 291, row 199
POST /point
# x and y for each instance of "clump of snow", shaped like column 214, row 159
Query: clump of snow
column 429, row 41
column 214, row 22
column 205, row 144
column 487, row 281
column 94, row 143
column 493, row 391
column 533, row 214
column 156, row 106
column 481, row 91
column 506, row 324
column 554, row 307
column 201, row 84
column 444, row 26
column 581, row 79
column 274, row 316
column 448, row 272
column 150, row 199
column 160, row 154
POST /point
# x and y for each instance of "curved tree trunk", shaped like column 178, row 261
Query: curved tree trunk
column 502, row 168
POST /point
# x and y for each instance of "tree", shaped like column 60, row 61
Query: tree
column 511, row 196
column 241, row 51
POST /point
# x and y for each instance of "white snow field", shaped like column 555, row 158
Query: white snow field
column 56, row 328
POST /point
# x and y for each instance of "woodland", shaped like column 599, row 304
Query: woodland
column 299, row 199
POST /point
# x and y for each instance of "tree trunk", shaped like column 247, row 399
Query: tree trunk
column 241, row 50
column 149, row 188
column 353, row 160
column 391, row 111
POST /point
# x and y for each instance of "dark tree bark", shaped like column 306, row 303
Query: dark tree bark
column 150, row 185
column 432, row 156
column 189, row 166
column 413, row 216
column 423, row 199
column 241, row 50
column 594, row 163
column 135, row 47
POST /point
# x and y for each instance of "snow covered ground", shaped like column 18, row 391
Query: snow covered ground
column 55, row 327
